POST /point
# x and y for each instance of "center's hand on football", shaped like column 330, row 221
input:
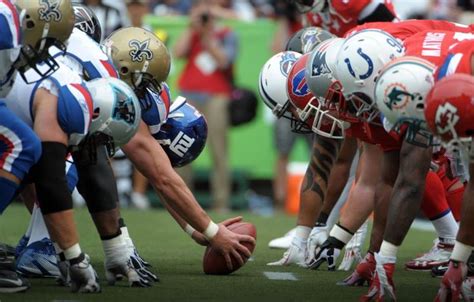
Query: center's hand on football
column 229, row 243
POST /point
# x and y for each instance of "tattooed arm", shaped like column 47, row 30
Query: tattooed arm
column 324, row 153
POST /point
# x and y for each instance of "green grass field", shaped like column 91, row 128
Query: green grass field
column 177, row 260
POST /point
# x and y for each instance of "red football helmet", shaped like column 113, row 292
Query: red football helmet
column 309, row 108
column 449, row 110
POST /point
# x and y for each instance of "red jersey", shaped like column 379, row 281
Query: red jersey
column 375, row 135
column 458, row 60
column 434, row 45
column 405, row 29
column 341, row 15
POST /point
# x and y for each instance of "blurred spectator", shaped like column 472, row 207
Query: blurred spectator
column 233, row 9
column 289, row 22
column 112, row 15
column 137, row 10
column 206, row 81
column 172, row 7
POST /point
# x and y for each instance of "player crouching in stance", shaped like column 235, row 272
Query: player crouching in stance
column 450, row 116
column 143, row 62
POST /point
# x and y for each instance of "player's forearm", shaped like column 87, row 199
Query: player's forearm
column 313, row 190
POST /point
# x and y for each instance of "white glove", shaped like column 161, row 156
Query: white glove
column 295, row 254
column 353, row 248
column 84, row 279
column 318, row 235
column 63, row 279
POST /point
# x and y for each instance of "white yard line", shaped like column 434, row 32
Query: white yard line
column 280, row 276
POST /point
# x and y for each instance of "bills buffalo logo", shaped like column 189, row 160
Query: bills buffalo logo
column 140, row 50
column 446, row 118
column 49, row 10
column 124, row 108
column 299, row 86
column 82, row 14
column 367, row 59
column 287, row 61
column 319, row 65
column 397, row 96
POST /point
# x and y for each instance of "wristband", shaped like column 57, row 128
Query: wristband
column 189, row 230
column 211, row 230
column 461, row 252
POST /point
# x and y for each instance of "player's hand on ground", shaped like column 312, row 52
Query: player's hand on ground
column 363, row 273
column 327, row 252
column 142, row 267
column 382, row 287
column 318, row 235
column 63, row 266
column 352, row 252
column 84, row 278
column 451, row 285
column 229, row 244
column 295, row 254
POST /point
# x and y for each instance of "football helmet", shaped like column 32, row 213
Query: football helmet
column 117, row 112
column 272, row 83
column 358, row 63
column 183, row 135
column 140, row 57
column 44, row 23
column 87, row 21
column 308, row 107
column 449, row 111
column 306, row 39
column 400, row 94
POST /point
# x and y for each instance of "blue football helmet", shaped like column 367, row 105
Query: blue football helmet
column 183, row 135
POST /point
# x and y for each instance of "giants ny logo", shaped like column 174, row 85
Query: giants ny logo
column 140, row 50
column 181, row 144
column 446, row 118
column 49, row 10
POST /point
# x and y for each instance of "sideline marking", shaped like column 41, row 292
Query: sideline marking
column 280, row 276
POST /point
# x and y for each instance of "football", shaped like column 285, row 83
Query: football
column 214, row 262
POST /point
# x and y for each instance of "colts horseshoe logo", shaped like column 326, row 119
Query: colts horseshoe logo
column 370, row 68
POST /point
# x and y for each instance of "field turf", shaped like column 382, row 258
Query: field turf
column 177, row 260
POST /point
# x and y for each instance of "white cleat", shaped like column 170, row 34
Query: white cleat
column 283, row 242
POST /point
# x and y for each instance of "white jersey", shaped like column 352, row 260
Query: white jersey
column 74, row 101
column 85, row 57
column 9, row 45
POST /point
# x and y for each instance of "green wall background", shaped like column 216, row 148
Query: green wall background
column 251, row 145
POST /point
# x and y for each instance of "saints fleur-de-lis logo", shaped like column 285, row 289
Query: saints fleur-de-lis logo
column 49, row 10
column 140, row 50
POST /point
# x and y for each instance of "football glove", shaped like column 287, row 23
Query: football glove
column 382, row 286
column 451, row 288
column 295, row 254
column 328, row 252
column 352, row 250
column 84, row 278
column 318, row 235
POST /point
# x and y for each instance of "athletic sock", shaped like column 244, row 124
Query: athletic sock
column 446, row 228
column 39, row 230
column 8, row 189
column 388, row 249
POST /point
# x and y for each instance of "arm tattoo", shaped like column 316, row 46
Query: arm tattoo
column 324, row 154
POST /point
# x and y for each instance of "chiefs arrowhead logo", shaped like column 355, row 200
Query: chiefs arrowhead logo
column 446, row 118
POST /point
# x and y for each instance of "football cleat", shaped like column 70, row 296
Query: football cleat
column 282, row 242
column 7, row 251
column 439, row 271
column 438, row 255
column 84, row 278
column 295, row 254
column 21, row 245
column 10, row 282
column 451, row 287
column 362, row 274
column 382, row 286
column 38, row 260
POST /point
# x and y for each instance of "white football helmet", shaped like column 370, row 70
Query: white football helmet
column 400, row 94
column 272, row 82
column 117, row 112
column 359, row 61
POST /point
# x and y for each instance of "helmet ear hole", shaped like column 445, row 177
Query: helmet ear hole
column 96, row 113
column 29, row 23
column 420, row 106
column 123, row 70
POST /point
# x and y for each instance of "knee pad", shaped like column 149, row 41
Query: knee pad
column 97, row 183
column 434, row 203
column 50, row 179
